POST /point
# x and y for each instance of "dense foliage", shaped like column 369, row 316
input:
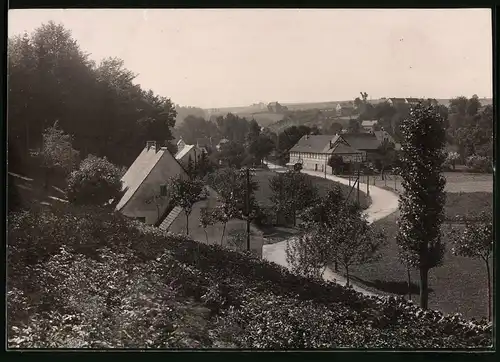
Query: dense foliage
column 96, row 182
column 116, row 283
column 336, row 232
column 421, row 205
column 292, row 192
column 107, row 114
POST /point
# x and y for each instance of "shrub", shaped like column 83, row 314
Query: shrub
column 134, row 287
column 265, row 217
column 477, row 163
column 96, row 182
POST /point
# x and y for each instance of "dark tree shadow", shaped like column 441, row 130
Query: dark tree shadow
column 393, row 287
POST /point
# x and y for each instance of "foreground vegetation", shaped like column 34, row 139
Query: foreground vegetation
column 119, row 284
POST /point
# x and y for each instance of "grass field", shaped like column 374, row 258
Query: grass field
column 456, row 182
column 323, row 185
column 459, row 285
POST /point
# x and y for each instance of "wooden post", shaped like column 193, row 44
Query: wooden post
column 358, row 180
column 248, row 208
column 367, row 185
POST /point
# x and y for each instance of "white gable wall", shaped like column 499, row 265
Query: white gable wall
column 161, row 173
column 195, row 154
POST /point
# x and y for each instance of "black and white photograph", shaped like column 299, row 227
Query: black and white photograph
column 250, row 179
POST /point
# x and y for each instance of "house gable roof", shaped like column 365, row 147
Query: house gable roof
column 183, row 152
column 362, row 141
column 314, row 143
column 342, row 149
column 139, row 171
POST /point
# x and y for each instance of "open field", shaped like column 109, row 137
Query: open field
column 264, row 119
column 456, row 182
column 459, row 285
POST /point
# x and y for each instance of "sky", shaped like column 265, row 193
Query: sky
column 223, row 57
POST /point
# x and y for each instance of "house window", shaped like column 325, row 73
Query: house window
column 163, row 190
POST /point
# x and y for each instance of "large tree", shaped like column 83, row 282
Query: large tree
column 292, row 192
column 51, row 78
column 387, row 155
column 423, row 198
column 193, row 128
column 57, row 153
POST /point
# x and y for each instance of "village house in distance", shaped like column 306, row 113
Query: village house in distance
column 314, row 151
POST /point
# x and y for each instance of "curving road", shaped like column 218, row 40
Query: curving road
column 383, row 204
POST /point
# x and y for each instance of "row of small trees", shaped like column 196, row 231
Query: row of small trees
column 335, row 232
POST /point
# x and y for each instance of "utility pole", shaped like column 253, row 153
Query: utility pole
column 359, row 169
column 368, row 184
column 248, row 207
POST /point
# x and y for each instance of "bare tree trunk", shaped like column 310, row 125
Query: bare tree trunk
column 409, row 281
column 223, row 232
column 336, row 266
column 206, row 234
column 187, row 223
column 424, row 288
column 347, row 275
column 488, row 272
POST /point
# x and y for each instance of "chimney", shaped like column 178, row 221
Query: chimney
column 151, row 144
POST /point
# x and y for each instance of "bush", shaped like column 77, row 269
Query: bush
column 264, row 217
column 96, row 182
column 478, row 164
column 131, row 286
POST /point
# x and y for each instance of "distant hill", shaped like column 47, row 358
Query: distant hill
column 278, row 121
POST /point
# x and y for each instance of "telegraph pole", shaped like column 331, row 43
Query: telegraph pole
column 359, row 169
column 248, row 207
column 368, row 184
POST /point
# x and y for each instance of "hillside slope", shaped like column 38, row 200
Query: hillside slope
column 83, row 277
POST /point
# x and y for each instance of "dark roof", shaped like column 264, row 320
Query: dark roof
column 342, row 148
column 362, row 141
column 314, row 143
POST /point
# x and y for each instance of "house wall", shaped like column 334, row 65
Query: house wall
column 318, row 161
column 166, row 168
column 310, row 161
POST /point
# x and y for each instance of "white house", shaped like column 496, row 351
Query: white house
column 369, row 126
column 187, row 152
column 314, row 151
column 221, row 142
column 146, row 184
